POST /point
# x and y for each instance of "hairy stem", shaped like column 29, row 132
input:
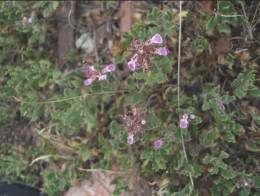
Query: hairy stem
column 178, row 99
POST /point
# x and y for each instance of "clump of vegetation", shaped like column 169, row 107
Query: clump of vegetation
column 191, row 129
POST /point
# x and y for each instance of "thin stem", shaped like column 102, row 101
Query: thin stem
column 76, row 97
column 252, row 22
column 178, row 88
column 249, row 28
column 104, row 170
column 229, row 16
column 72, row 3
column 48, row 156
column 179, row 56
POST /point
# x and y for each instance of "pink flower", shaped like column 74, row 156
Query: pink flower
column 130, row 139
column 88, row 82
column 158, row 143
column 132, row 65
column 161, row 51
column 109, row 68
column 102, row 77
column 184, row 123
column 156, row 39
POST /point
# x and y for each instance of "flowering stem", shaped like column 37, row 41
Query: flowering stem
column 178, row 88
column 179, row 56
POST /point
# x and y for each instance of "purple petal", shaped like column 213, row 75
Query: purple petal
column 130, row 139
column 109, row 68
column 162, row 51
column 156, row 39
column 184, row 123
column 88, row 82
column 158, row 143
column 132, row 65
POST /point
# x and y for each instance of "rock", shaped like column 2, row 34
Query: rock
column 86, row 42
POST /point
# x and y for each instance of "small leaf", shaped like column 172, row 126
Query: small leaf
column 206, row 106
column 156, row 78
column 139, row 75
column 255, row 92
column 209, row 137
column 253, row 145
column 133, row 99
column 256, row 180
column 211, row 24
column 85, row 153
column 228, row 173
column 224, row 28
column 230, row 137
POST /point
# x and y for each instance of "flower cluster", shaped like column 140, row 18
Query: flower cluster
column 143, row 52
column 184, row 121
column 92, row 74
column 158, row 143
column 134, row 122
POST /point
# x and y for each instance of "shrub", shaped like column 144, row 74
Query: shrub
column 135, row 121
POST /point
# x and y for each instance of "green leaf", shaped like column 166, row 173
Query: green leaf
column 206, row 106
column 240, row 92
column 256, row 180
column 229, row 137
column 195, row 169
column 91, row 120
column 139, row 75
column 154, row 15
column 242, row 83
column 156, row 78
column 237, row 129
column 244, row 192
column 153, row 121
column 253, row 145
column 208, row 138
column 164, row 63
column 256, row 117
column 84, row 152
column 140, row 32
column 212, row 22
column 224, row 28
column 133, row 99
column 49, row 10
column 228, row 173
column 160, row 164
column 114, row 128
column 223, row 155
column 254, row 91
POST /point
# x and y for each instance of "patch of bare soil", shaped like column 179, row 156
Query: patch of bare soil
column 101, row 184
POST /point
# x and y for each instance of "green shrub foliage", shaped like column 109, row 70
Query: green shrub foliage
column 135, row 121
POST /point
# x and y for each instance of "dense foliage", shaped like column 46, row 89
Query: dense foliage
column 88, row 126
